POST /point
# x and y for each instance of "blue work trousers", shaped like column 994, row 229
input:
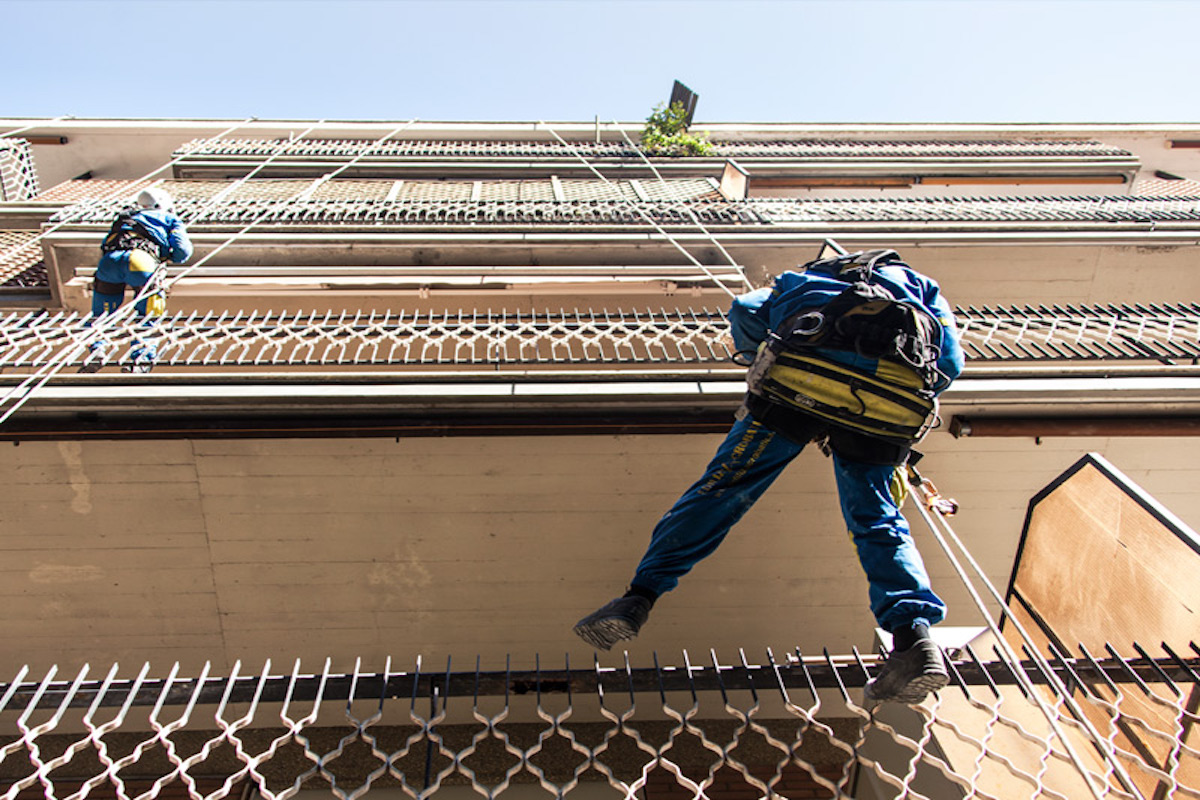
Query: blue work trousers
column 132, row 268
column 747, row 462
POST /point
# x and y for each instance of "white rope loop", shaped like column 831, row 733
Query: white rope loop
column 84, row 206
column 695, row 217
column 650, row 220
column 931, row 510
column 28, row 388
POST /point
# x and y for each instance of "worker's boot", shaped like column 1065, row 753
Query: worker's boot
column 141, row 358
column 95, row 359
column 908, row 675
column 620, row 619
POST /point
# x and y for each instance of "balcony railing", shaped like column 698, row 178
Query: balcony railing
column 815, row 149
column 284, row 203
column 1163, row 333
column 790, row 726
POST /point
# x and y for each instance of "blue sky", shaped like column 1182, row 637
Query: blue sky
column 773, row 60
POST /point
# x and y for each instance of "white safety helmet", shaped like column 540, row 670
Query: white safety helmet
column 154, row 198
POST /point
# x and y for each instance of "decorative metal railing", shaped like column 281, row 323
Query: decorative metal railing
column 290, row 207
column 781, row 211
column 785, row 727
column 1159, row 331
column 464, row 338
column 21, row 262
column 18, row 175
column 676, row 337
column 820, row 149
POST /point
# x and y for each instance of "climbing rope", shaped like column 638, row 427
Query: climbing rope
column 933, row 506
column 28, row 388
column 695, row 217
column 85, row 206
column 32, row 126
column 650, row 220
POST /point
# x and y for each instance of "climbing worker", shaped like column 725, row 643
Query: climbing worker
column 141, row 240
column 849, row 351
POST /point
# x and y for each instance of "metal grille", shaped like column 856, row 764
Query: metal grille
column 18, row 175
column 1107, row 209
column 261, row 340
column 593, row 202
column 718, row 729
column 1141, row 331
column 790, row 149
column 22, row 263
column 78, row 191
column 671, row 337
column 1160, row 188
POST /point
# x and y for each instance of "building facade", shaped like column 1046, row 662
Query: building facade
column 425, row 388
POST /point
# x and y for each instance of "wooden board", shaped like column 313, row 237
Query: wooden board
column 1101, row 562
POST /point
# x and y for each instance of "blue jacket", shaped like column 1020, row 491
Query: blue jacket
column 168, row 232
column 756, row 313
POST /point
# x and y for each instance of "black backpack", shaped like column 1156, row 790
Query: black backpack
column 866, row 319
column 128, row 233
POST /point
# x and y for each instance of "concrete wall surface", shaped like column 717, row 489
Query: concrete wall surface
column 247, row 549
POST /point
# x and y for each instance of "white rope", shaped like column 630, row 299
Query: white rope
column 650, row 219
column 31, row 385
column 36, row 380
column 19, row 131
column 275, row 206
column 695, row 217
column 1006, row 651
column 87, row 205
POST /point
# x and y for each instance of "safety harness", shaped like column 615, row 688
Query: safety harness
column 130, row 233
column 896, row 402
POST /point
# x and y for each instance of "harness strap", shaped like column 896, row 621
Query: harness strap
column 129, row 233
column 107, row 287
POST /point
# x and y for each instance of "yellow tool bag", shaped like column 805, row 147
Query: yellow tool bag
column 892, row 404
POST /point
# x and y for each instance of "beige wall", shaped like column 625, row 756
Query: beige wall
column 1025, row 273
column 198, row 550
column 969, row 274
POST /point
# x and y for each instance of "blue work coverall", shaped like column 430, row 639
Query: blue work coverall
column 753, row 456
column 136, row 267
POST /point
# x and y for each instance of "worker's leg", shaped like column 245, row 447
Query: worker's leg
column 108, row 288
column 142, row 266
column 871, row 496
column 749, row 459
column 747, row 462
column 901, row 598
column 108, row 292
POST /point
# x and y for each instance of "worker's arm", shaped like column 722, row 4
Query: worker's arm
column 950, row 362
column 748, row 319
column 179, row 246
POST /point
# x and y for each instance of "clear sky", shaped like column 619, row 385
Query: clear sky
column 755, row 60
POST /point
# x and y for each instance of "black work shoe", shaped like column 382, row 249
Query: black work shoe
column 620, row 619
column 908, row 675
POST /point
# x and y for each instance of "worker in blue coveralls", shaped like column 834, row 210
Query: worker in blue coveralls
column 142, row 238
column 868, row 470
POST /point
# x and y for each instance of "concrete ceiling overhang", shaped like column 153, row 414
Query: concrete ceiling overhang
column 215, row 404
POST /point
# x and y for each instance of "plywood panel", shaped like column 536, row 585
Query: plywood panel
column 1132, row 701
column 1097, row 566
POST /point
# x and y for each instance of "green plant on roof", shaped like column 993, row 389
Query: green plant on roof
column 666, row 134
